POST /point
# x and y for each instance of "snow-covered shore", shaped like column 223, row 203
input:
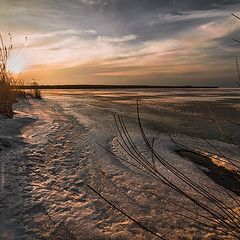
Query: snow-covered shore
column 54, row 154
column 11, row 141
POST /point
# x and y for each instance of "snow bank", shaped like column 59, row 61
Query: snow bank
column 10, row 129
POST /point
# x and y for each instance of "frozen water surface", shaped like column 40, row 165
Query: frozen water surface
column 47, row 167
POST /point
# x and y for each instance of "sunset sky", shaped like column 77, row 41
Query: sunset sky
column 155, row 42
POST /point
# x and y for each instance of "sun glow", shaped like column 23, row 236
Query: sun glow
column 16, row 64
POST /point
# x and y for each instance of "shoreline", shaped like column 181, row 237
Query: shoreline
column 10, row 129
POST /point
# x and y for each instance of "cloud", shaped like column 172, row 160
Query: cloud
column 61, row 49
column 181, row 16
column 122, row 39
column 107, row 40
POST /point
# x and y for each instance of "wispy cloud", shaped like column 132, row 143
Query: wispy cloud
column 126, row 38
column 182, row 16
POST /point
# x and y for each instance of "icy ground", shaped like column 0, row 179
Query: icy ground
column 45, row 168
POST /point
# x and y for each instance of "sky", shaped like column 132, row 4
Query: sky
column 153, row 42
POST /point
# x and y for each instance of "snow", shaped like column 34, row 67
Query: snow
column 54, row 154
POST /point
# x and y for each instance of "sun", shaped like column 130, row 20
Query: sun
column 16, row 64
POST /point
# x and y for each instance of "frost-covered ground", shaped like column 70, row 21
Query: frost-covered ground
column 50, row 152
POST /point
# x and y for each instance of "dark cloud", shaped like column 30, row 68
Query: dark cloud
column 112, row 17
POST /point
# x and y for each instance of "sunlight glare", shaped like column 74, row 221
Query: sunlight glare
column 16, row 64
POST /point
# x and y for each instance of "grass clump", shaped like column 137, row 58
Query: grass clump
column 7, row 96
column 10, row 86
column 36, row 93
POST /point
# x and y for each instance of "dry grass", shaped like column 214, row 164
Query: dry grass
column 9, row 85
column 7, row 97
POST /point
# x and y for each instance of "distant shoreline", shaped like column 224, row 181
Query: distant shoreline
column 45, row 87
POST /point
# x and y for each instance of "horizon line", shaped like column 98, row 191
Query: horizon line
column 105, row 86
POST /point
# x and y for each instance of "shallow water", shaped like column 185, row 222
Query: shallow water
column 45, row 190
